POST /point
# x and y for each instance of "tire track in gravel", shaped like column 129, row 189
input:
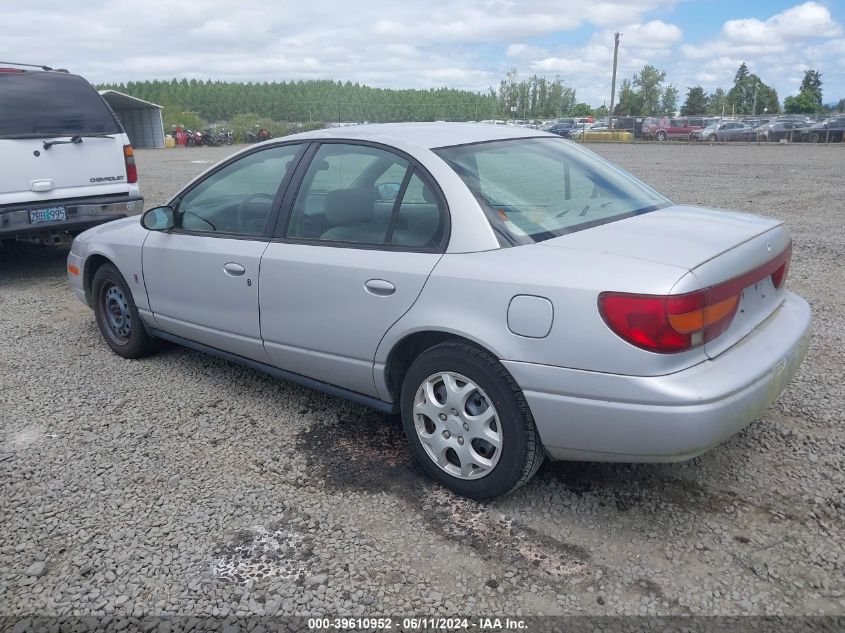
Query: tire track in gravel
column 370, row 454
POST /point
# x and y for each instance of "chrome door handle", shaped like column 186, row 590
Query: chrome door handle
column 233, row 269
column 379, row 287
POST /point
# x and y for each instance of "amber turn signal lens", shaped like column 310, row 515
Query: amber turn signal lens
column 700, row 319
column 73, row 270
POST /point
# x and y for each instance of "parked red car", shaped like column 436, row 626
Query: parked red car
column 662, row 128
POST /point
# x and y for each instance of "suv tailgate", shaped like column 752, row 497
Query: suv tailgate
column 69, row 170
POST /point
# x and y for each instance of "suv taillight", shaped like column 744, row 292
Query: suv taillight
column 129, row 159
column 677, row 323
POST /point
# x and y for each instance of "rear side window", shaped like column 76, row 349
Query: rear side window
column 46, row 104
column 536, row 189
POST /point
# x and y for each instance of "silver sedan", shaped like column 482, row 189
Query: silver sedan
column 511, row 294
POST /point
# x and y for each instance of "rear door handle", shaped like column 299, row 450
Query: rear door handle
column 379, row 287
column 234, row 270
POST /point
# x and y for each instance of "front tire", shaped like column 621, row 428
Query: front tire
column 468, row 423
column 117, row 316
column 661, row 136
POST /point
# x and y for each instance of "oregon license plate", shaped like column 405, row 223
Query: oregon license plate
column 50, row 214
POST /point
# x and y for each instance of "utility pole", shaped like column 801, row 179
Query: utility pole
column 754, row 107
column 613, row 80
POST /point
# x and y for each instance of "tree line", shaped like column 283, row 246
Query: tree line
column 195, row 103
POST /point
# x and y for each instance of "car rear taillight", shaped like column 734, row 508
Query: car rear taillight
column 676, row 323
column 129, row 159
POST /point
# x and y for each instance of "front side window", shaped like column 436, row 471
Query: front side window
column 536, row 189
column 366, row 195
column 238, row 198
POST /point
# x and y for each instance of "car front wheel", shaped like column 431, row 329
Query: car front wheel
column 117, row 316
column 468, row 423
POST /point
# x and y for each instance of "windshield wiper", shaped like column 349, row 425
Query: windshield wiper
column 75, row 139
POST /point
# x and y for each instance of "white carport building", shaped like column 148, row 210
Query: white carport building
column 141, row 119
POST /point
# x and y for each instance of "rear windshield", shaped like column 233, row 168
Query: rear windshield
column 534, row 189
column 45, row 104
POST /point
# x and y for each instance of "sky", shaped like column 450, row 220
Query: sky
column 468, row 44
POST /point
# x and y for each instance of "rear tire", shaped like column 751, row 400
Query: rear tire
column 455, row 397
column 117, row 316
column 661, row 136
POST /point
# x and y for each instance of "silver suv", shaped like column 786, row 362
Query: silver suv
column 65, row 161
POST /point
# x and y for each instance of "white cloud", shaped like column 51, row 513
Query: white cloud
column 394, row 44
column 468, row 44
column 778, row 49
column 805, row 21
column 654, row 34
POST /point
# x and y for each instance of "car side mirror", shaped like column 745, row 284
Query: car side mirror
column 159, row 219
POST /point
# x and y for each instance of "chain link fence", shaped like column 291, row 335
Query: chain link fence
column 306, row 115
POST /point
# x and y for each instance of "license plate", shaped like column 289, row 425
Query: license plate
column 50, row 214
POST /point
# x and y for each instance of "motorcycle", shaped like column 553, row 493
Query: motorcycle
column 209, row 138
column 226, row 136
column 193, row 138
column 256, row 136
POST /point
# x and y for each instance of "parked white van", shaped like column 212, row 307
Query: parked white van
column 65, row 161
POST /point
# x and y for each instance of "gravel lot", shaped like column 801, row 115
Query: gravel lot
column 187, row 485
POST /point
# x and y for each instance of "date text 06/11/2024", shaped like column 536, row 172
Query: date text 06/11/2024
column 414, row 624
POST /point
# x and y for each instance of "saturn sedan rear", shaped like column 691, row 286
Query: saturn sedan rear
column 511, row 294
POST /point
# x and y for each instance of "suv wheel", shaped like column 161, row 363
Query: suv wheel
column 468, row 423
column 117, row 316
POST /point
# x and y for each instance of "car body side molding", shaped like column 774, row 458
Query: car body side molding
column 311, row 383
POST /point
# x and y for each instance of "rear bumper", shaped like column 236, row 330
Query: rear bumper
column 608, row 417
column 82, row 213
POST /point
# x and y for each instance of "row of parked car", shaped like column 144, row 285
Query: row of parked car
column 795, row 128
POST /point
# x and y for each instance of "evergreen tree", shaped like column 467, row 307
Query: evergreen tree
column 629, row 101
column 696, row 101
column 717, row 103
column 812, row 85
column 750, row 95
column 669, row 101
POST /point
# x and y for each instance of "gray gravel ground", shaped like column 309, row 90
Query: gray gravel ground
column 183, row 484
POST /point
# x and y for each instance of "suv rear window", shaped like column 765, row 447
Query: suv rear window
column 47, row 104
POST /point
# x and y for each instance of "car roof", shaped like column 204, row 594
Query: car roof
column 423, row 135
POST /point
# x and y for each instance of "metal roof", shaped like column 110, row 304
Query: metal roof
column 127, row 102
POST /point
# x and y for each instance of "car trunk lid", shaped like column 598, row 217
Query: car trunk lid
column 715, row 246
column 752, row 268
